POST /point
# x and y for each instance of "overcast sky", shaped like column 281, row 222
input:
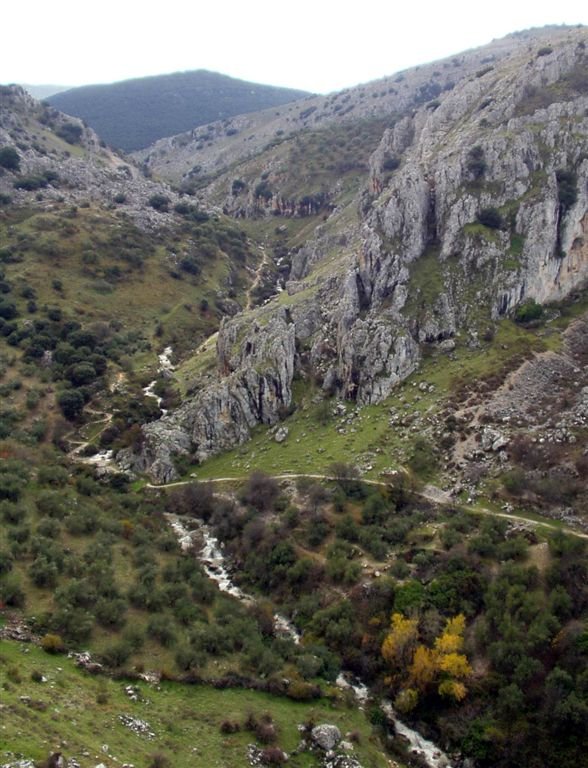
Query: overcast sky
column 316, row 45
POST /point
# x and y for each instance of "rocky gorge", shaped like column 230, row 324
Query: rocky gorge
column 475, row 203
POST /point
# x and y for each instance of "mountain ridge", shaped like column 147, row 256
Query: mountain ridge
column 133, row 113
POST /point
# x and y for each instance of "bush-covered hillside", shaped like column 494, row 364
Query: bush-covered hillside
column 134, row 113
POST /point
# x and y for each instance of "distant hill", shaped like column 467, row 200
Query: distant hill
column 44, row 91
column 134, row 113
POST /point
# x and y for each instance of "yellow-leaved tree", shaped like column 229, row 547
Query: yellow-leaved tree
column 400, row 642
column 420, row 668
column 423, row 669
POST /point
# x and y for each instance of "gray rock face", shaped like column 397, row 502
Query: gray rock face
column 475, row 201
column 326, row 736
column 256, row 367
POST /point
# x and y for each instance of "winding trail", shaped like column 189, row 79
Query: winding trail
column 80, row 445
column 429, row 493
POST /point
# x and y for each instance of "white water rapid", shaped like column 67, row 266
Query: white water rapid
column 214, row 563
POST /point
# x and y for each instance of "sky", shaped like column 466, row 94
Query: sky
column 316, row 45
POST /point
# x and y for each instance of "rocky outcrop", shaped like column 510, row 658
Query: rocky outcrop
column 256, row 367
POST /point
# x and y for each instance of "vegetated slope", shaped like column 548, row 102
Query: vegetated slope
column 457, row 212
column 135, row 113
column 186, row 721
column 88, row 245
column 197, row 155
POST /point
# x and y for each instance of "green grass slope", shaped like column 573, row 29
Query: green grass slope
column 79, row 715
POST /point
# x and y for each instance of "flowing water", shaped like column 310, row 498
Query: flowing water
column 214, row 563
column 347, row 682
column 426, row 749
column 165, row 367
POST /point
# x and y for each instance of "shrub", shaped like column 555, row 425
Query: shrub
column 70, row 132
column 229, row 726
column 160, row 628
column 515, row 481
column 260, row 492
column 9, row 159
column 273, row 756
column 159, row 760
column 423, row 460
column 12, row 513
column 43, row 572
column 116, row 655
column 391, row 164
column 30, row 183
column 298, row 690
column 7, row 310
column 71, row 403
column 11, row 592
column 6, row 560
column 567, row 188
column 528, row 311
column 265, row 731
column 111, row 612
column 159, row 202
column 264, row 190
column 476, row 164
column 238, row 186
column 52, row 643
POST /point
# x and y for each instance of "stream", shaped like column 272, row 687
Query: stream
column 165, row 367
column 427, row 750
column 214, row 563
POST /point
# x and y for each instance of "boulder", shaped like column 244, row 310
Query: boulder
column 326, row 736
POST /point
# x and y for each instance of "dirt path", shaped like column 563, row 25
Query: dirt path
column 80, row 445
column 429, row 493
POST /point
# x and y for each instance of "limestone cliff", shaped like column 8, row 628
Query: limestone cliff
column 474, row 201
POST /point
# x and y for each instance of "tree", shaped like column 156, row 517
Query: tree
column 9, row 159
column 261, row 491
column 420, row 667
column 71, row 403
column 400, row 642
column 423, row 669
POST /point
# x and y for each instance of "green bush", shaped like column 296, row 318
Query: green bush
column 159, row 202
column 11, row 592
column 51, row 643
column 476, row 163
column 70, row 132
column 238, row 186
column 567, row 188
column 9, row 159
column 391, row 164
column 71, row 403
column 528, row 311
